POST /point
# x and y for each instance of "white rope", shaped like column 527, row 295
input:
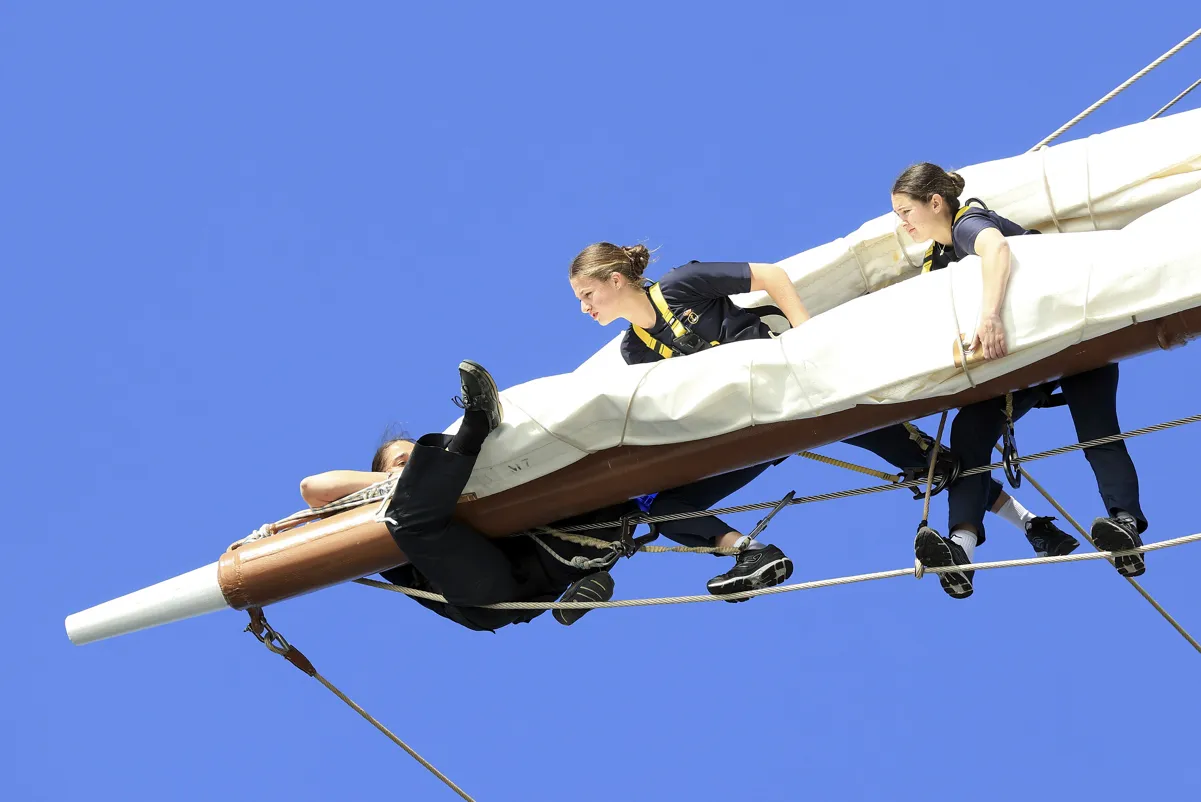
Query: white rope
column 1125, row 85
column 820, row 583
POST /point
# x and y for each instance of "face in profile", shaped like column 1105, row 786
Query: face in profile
column 918, row 219
column 598, row 299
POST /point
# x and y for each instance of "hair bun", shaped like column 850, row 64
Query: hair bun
column 958, row 181
column 639, row 257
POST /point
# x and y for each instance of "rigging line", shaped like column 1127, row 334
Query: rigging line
column 1134, row 582
column 863, row 491
column 1176, row 99
column 276, row 643
column 820, row 583
column 1121, row 88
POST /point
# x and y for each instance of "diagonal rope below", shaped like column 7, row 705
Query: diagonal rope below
column 275, row 642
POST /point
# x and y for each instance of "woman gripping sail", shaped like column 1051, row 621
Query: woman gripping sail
column 926, row 198
column 689, row 310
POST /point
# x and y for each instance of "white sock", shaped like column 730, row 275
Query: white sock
column 967, row 539
column 1013, row 512
column 748, row 544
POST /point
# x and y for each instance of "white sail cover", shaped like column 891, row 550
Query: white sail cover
column 1128, row 199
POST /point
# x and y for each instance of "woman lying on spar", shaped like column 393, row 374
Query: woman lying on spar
column 471, row 570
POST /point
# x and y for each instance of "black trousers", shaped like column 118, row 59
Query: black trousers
column 464, row 565
column 1092, row 399
column 701, row 496
column 467, row 567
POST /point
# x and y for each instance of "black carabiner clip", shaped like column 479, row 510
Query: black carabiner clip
column 1009, row 457
column 946, row 473
column 629, row 544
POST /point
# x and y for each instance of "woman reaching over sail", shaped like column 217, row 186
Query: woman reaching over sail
column 689, row 310
column 926, row 198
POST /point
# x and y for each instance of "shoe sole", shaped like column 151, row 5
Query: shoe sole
column 933, row 552
column 478, row 370
column 1110, row 537
column 766, row 576
column 584, row 590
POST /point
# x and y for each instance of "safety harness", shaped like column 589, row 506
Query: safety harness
column 938, row 255
column 683, row 340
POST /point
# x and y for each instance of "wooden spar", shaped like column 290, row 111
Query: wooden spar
column 342, row 547
column 352, row 544
column 616, row 474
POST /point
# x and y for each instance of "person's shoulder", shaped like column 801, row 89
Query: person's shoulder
column 634, row 351
column 679, row 275
column 968, row 225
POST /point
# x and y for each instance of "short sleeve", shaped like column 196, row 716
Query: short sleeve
column 700, row 280
column 966, row 231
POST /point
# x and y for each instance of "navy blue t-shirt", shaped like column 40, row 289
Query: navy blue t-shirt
column 964, row 231
column 968, row 227
column 703, row 289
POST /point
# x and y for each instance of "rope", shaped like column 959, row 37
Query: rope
column 850, row 466
column 942, row 423
column 276, row 643
column 1133, row 582
column 1176, row 99
column 820, row 583
column 863, row 491
column 1125, row 85
column 598, row 543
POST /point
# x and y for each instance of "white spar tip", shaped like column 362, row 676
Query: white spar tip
column 187, row 595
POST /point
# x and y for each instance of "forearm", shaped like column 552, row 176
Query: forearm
column 996, row 280
column 776, row 283
column 324, row 488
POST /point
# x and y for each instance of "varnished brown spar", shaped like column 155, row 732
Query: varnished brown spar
column 351, row 544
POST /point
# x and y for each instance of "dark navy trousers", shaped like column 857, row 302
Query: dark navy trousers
column 1092, row 399
column 701, row 495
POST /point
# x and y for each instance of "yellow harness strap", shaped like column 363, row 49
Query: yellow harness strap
column 678, row 329
column 653, row 344
column 915, row 434
column 928, row 260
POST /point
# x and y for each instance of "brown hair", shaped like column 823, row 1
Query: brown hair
column 602, row 259
column 391, row 438
column 923, row 181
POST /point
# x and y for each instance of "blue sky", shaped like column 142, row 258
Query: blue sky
column 239, row 242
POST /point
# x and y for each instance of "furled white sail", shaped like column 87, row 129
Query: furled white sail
column 1128, row 198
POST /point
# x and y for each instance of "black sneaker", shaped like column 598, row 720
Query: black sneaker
column 935, row 551
column 597, row 587
column 753, row 569
column 1116, row 534
column 479, row 393
column 1047, row 539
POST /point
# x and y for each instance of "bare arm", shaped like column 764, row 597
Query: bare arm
column 994, row 253
column 323, row 488
column 778, row 285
